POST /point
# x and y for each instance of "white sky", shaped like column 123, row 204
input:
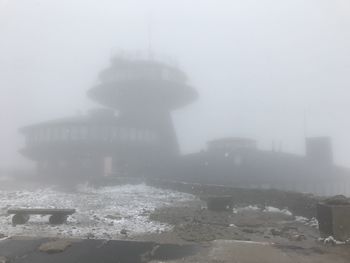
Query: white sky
column 257, row 64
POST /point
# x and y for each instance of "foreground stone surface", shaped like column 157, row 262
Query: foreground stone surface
column 249, row 234
column 257, row 252
column 20, row 250
column 231, row 251
column 246, row 233
column 56, row 246
column 197, row 224
column 297, row 203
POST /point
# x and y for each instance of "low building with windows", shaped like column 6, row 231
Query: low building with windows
column 238, row 162
column 131, row 135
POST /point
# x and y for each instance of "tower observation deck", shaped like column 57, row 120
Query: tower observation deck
column 143, row 93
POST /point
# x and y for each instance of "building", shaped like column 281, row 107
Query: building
column 131, row 135
column 240, row 163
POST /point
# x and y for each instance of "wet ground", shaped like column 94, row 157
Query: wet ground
column 193, row 222
column 101, row 213
column 247, row 233
column 48, row 250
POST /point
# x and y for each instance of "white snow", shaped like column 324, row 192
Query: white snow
column 267, row 209
column 331, row 240
column 302, row 219
column 100, row 213
column 313, row 222
column 246, row 208
column 272, row 209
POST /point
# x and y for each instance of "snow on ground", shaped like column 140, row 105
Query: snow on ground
column 313, row 222
column 270, row 209
column 267, row 209
column 331, row 240
column 101, row 212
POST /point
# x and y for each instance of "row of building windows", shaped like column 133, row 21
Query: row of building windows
column 76, row 133
column 144, row 73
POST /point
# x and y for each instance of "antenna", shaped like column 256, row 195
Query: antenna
column 305, row 124
column 150, row 53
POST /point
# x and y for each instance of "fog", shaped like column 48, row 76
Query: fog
column 174, row 130
column 268, row 70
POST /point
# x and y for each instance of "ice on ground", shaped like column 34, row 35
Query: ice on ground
column 272, row 209
column 246, row 208
column 267, row 209
column 313, row 222
column 100, row 212
column 302, row 219
column 331, row 240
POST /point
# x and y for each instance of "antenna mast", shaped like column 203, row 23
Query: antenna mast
column 150, row 53
column 305, row 124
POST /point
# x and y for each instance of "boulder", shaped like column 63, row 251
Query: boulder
column 56, row 246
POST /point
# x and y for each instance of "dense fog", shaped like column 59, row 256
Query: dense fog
column 269, row 70
column 174, row 131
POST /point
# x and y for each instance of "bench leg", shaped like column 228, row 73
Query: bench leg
column 57, row 219
column 20, row 219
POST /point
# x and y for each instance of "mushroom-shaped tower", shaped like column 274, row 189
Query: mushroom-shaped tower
column 134, row 142
column 145, row 91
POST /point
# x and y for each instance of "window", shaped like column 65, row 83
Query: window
column 123, row 134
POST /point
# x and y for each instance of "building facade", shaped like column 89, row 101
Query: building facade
column 130, row 135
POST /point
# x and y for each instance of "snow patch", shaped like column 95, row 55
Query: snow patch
column 331, row 240
column 313, row 222
column 100, row 212
column 272, row 209
column 267, row 209
column 246, row 208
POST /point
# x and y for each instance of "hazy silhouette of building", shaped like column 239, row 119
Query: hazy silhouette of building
column 240, row 163
column 130, row 136
column 133, row 135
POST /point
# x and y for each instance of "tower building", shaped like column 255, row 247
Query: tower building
column 131, row 134
column 145, row 92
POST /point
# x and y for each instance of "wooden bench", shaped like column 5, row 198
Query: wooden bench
column 57, row 216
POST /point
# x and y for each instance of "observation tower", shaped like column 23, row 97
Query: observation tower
column 131, row 134
column 144, row 92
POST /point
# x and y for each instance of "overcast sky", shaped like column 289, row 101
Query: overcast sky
column 258, row 65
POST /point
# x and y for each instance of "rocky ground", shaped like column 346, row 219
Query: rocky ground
column 193, row 222
column 244, row 233
column 247, row 234
column 114, row 212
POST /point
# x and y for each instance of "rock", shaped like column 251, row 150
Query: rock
column 114, row 217
column 330, row 240
column 2, row 235
column 123, row 231
column 337, row 200
column 297, row 237
column 251, row 231
column 90, row 236
column 57, row 246
column 275, row 232
column 289, row 228
column 4, row 260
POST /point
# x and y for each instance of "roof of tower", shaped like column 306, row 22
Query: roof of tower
column 130, row 83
